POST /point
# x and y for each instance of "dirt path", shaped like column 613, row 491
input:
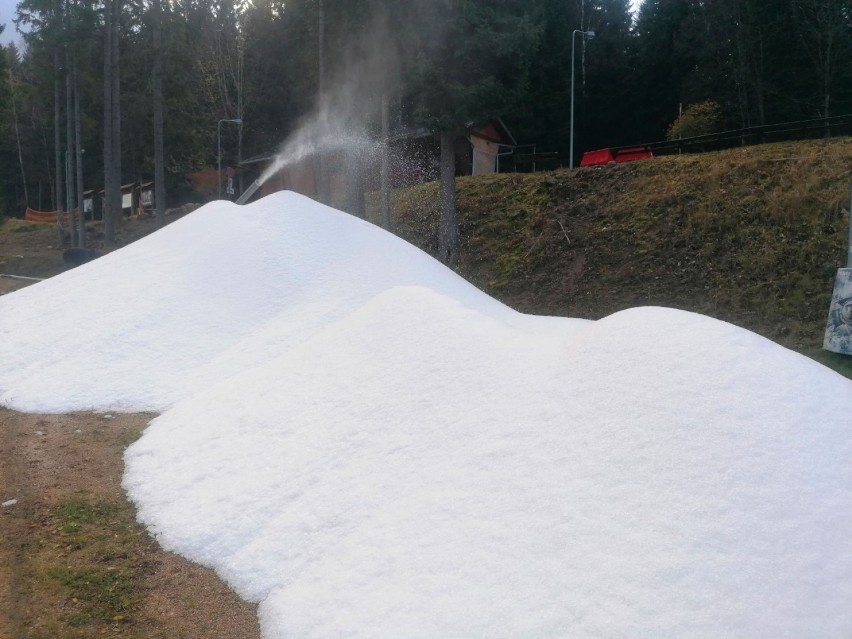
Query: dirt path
column 73, row 561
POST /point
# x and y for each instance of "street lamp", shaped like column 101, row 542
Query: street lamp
column 588, row 35
column 238, row 122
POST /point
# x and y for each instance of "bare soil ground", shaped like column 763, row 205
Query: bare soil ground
column 73, row 562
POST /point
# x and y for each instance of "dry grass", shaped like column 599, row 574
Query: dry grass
column 751, row 235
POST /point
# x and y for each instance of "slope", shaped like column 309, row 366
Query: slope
column 752, row 236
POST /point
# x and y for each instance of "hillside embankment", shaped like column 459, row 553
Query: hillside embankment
column 752, row 236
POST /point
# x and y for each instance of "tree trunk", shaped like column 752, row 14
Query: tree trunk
column 69, row 159
column 115, row 76
column 323, row 187
column 157, row 87
column 107, row 213
column 112, row 122
column 240, row 109
column 385, row 177
column 355, row 187
column 78, row 150
column 826, row 81
column 18, row 138
column 448, row 231
column 57, row 135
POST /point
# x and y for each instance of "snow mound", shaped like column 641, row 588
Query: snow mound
column 367, row 445
column 209, row 295
column 421, row 469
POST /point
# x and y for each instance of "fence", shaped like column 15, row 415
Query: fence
column 801, row 130
column 46, row 217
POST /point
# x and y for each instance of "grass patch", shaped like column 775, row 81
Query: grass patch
column 14, row 225
column 89, row 563
column 97, row 594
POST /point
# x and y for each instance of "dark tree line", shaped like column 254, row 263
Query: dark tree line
column 111, row 91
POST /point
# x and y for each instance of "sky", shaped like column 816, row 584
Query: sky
column 7, row 13
column 365, row 444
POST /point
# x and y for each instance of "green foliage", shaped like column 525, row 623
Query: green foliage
column 696, row 119
column 476, row 66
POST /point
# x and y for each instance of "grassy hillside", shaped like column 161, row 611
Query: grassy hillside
column 752, row 236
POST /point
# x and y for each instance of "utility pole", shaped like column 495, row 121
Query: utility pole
column 587, row 35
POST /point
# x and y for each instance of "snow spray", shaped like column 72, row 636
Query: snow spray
column 347, row 105
column 324, row 133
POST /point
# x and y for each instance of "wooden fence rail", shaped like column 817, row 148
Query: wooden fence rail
column 800, row 130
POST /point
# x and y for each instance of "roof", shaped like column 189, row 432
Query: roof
column 504, row 136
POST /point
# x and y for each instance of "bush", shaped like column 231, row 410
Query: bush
column 697, row 119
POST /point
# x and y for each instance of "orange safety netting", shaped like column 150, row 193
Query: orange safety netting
column 45, row 217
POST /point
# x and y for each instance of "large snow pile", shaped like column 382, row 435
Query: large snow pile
column 212, row 294
column 368, row 446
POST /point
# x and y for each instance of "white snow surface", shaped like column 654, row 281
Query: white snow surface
column 368, row 446
column 212, row 294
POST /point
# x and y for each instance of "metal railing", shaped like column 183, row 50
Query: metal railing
column 800, row 130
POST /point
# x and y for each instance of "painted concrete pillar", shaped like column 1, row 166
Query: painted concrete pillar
column 838, row 330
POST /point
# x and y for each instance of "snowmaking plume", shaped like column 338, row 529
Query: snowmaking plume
column 346, row 112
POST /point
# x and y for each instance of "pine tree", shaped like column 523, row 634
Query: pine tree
column 825, row 31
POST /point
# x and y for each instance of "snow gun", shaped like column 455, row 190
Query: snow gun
column 254, row 186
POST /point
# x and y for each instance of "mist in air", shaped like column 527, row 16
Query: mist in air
column 346, row 115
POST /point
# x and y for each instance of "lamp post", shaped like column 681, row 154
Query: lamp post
column 238, row 122
column 588, row 35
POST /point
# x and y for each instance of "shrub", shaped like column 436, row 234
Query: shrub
column 697, row 119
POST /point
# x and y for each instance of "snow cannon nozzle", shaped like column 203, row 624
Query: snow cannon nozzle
column 254, row 186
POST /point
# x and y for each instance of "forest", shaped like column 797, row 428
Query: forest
column 105, row 92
